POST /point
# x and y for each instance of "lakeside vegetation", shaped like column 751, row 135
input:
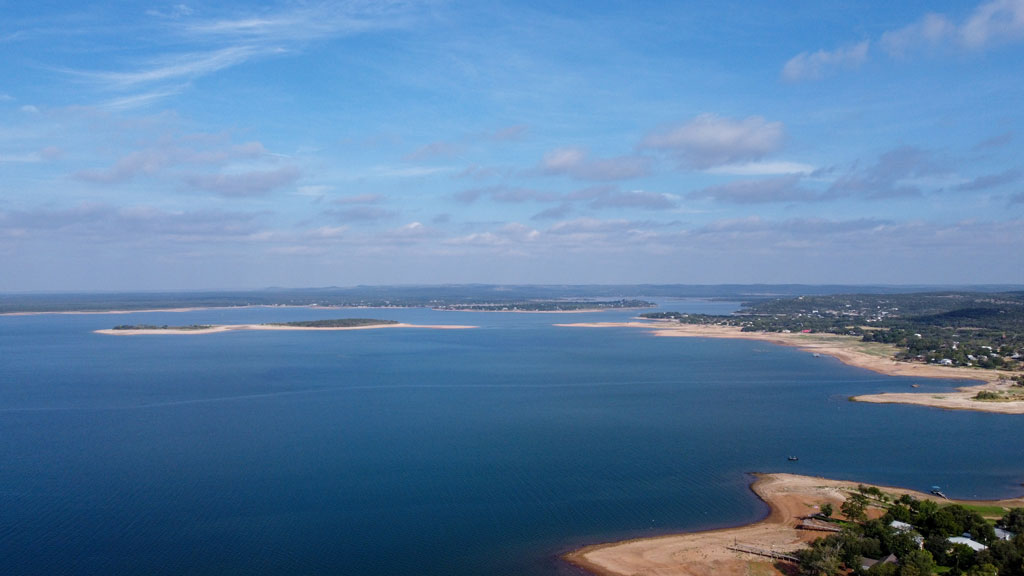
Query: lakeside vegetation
column 984, row 330
column 916, row 538
column 335, row 323
column 162, row 327
column 329, row 323
column 549, row 305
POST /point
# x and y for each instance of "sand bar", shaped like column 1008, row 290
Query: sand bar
column 238, row 327
column 790, row 498
column 849, row 350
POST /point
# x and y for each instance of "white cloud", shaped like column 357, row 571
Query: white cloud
column 175, row 67
column 991, row 23
column 770, row 190
column 710, row 140
column 813, row 65
column 306, row 22
column 575, row 162
column 641, row 199
column 762, row 169
column 931, row 30
column 245, row 184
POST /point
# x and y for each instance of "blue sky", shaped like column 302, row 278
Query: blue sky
column 229, row 145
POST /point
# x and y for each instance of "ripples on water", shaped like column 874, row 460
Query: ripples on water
column 425, row 452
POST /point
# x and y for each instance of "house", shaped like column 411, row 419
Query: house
column 903, row 527
column 900, row 526
column 976, row 546
column 867, row 563
column 1004, row 534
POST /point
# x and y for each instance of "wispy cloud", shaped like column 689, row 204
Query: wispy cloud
column 929, row 31
column 710, row 140
column 223, row 43
column 763, row 169
column 988, row 181
column 360, row 199
column 814, row 65
column 763, row 191
column 990, row 24
column 994, row 22
column 577, row 163
column 305, row 22
column 892, row 175
column 995, row 142
column 361, row 214
column 48, row 153
column 642, row 199
column 505, row 194
column 175, row 67
column 433, row 150
column 106, row 223
column 245, row 184
column 167, row 154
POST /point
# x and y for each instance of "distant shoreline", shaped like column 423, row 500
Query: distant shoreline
column 201, row 308
column 242, row 327
column 304, row 306
column 790, row 497
column 871, row 356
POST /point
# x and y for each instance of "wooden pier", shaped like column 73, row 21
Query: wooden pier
column 818, row 525
column 767, row 552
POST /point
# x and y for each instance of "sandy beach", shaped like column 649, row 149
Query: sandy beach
column 237, row 327
column 790, row 497
column 848, row 350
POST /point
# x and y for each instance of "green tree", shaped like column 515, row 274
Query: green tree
column 983, row 570
column 961, row 557
column 855, row 508
column 822, row 559
column 883, row 570
column 1013, row 520
column 826, row 510
column 917, row 563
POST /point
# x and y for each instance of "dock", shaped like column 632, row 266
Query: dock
column 818, row 525
column 767, row 552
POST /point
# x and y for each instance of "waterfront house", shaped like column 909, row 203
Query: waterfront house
column 973, row 545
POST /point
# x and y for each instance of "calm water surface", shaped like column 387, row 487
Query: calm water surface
column 427, row 452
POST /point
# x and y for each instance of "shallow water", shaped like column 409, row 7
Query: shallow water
column 396, row 451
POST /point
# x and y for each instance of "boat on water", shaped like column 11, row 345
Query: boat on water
column 938, row 492
column 792, row 458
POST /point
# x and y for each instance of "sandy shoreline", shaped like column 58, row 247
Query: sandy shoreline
column 789, row 496
column 239, row 327
column 871, row 356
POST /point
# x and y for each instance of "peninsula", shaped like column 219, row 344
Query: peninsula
column 800, row 513
column 997, row 391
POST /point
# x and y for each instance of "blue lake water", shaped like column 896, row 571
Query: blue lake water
column 429, row 452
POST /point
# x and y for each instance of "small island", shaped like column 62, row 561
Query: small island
column 326, row 325
column 336, row 323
